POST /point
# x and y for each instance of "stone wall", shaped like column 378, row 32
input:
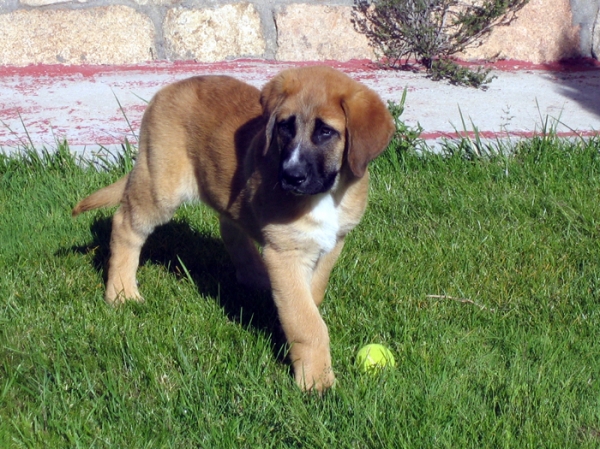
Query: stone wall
column 134, row 31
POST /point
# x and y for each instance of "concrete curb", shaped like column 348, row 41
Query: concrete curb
column 96, row 107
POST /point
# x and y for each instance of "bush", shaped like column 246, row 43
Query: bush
column 411, row 34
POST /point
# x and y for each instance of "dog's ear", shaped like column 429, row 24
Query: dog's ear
column 369, row 127
column 272, row 96
column 272, row 116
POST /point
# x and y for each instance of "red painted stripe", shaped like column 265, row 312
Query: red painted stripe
column 491, row 135
column 574, row 65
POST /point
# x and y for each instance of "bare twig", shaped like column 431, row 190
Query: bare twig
column 462, row 300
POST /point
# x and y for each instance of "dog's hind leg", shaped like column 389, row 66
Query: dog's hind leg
column 140, row 213
column 126, row 242
column 249, row 266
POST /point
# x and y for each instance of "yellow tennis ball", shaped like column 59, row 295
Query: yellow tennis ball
column 374, row 357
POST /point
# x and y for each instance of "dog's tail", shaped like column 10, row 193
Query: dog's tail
column 108, row 196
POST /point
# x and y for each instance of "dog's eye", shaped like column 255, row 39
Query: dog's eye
column 326, row 132
column 287, row 127
column 323, row 132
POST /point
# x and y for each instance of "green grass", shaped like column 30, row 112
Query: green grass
column 481, row 274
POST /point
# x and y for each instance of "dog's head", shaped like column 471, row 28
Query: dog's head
column 323, row 122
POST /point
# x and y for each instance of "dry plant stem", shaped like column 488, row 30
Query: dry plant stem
column 462, row 300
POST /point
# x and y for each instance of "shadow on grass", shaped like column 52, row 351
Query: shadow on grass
column 179, row 248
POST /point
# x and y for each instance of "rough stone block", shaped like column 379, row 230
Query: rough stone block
column 104, row 35
column 47, row 2
column 596, row 37
column 157, row 2
column 210, row 35
column 542, row 32
column 319, row 32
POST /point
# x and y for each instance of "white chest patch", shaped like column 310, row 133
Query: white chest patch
column 326, row 223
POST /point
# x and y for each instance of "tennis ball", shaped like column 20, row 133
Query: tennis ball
column 374, row 357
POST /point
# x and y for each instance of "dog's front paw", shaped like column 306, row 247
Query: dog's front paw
column 319, row 381
column 118, row 294
column 312, row 367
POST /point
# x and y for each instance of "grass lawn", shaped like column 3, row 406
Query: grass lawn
column 481, row 274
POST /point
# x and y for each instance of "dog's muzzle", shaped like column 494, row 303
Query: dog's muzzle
column 295, row 169
column 303, row 179
column 293, row 176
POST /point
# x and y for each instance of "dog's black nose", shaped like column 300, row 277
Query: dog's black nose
column 293, row 176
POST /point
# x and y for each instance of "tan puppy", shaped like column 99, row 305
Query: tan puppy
column 285, row 168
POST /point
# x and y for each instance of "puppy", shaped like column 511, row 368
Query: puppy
column 285, row 167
